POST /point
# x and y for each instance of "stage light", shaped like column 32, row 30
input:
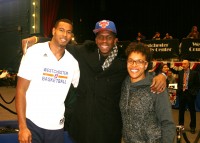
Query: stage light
column 35, row 17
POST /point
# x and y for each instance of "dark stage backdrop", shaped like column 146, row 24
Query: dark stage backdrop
column 14, row 25
column 148, row 16
column 130, row 16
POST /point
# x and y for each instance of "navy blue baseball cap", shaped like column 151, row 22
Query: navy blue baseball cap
column 105, row 25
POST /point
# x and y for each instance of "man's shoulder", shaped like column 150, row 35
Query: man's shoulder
column 89, row 45
column 38, row 48
column 40, row 45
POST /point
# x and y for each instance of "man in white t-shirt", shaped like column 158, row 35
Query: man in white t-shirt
column 44, row 78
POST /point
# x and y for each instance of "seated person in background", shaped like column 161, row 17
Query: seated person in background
column 194, row 34
column 171, row 77
column 140, row 37
column 156, row 36
column 167, row 36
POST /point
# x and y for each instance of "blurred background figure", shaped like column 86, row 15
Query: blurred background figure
column 163, row 68
column 140, row 37
column 194, row 34
column 171, row 77
column 156, row 36
column 7, row 79
column 4, row 73
column 167, row 36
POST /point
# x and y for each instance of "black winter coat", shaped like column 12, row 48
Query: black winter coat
column 96, row 115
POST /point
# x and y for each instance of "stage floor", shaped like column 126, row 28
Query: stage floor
column 8, row 93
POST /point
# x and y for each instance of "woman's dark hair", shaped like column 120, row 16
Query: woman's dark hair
column 139, row 48
column 159, row 68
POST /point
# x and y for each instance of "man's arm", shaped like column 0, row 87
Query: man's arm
column 24, row 133
column 27, row 42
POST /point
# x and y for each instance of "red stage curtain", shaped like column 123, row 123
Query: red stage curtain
column 49, row 9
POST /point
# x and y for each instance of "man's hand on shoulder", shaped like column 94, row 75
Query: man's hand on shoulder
column 27, row 42
column 159, row 84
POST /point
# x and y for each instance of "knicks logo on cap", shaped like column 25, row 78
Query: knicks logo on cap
column 103, row 23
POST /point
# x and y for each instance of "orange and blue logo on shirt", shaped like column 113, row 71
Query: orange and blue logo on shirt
column 55, row 76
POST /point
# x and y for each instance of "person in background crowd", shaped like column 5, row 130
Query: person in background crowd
column 4, row 74
column 188, row 87
column 140, row 37
column 163, row 68
column 96, row 116
column 42, row 86
column 167, row 36
column 194, row 34
column 170, row 77
column 4, row 77
column 146, row 117
column 156, row 36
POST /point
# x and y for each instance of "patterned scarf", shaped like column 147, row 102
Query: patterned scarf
column 110, row 58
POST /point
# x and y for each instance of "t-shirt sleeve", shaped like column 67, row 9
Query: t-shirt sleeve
column 76, row 76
